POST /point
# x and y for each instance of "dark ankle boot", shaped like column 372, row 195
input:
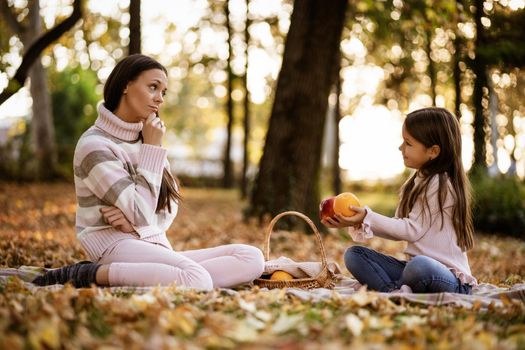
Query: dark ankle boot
column 81, row 275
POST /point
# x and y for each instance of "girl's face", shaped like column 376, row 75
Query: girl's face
column 143, row 96
column 415, row 154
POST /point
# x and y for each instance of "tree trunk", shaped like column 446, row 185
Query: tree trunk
column 456, row 73
column 288, row 177
column 480, row 93
column 42, row 129
column 494, row 133
column 456, row 59
column 134, row 27
column 337, row 143
column 431, row 67
column 227, row 180
column 246, row 124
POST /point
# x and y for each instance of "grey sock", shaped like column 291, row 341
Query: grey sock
column 81, row 275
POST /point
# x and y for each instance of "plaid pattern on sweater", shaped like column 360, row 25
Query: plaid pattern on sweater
column 114, row 168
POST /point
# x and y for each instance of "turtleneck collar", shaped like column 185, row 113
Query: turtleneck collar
column 115, row 126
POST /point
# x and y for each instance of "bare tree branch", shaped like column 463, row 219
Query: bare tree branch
column 36, row 49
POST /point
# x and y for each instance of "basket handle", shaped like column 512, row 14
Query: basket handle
column 308, row 221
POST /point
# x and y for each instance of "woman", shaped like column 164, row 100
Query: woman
column 127, row 198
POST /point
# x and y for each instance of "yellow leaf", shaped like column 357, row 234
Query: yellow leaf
column 243, row 332
column 354, row 324
column 362, row 297
column 247, row 306
column 50, row 336
column 412, row 321
column 45, row 334
column 286, row 322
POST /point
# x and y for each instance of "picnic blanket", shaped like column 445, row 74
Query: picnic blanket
column 482, row 296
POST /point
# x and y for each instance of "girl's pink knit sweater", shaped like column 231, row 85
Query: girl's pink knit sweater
column 424, row 236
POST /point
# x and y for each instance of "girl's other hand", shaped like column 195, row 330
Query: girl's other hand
column 153, row 130
column 114, row 217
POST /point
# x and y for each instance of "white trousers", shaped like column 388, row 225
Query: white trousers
column 134, row 262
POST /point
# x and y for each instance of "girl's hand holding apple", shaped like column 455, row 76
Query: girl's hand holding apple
column 341, row 211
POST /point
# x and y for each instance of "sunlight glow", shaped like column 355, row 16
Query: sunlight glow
column 108, row 8
column 363, row 79
column 516, row 4
column 55, row 9
column 369, row 152
column 17, row 106
column 467, row 140
column 257, row 70
column 370, row 137
column 503, row 160
column 354, row 48
column 364, row 158
column 266, row 8
column 468, row 30
column 157, row 15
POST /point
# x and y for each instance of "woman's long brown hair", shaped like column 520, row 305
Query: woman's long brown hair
column 437, row 126
column 125, row 71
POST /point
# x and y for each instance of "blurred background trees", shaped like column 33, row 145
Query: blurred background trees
column 235, row 94
column 26, row 25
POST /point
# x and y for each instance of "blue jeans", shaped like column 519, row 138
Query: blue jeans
column 384, row 273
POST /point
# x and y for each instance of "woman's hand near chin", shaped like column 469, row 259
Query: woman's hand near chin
column 153, row 130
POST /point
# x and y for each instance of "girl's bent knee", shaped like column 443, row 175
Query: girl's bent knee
column 417, row 268
column 352, row 257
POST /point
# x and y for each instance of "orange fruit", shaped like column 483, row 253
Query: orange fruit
column 280, row 275
column 343, row 201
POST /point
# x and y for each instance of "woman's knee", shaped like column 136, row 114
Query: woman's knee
column 252, row 256
column 196, row 276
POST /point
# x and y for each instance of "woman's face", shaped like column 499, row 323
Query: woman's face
column 143, row 96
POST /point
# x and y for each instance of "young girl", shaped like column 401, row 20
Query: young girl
column 127, row 198
column 433, row 215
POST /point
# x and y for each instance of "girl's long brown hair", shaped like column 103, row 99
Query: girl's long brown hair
column 125, row 71
column 437, row 126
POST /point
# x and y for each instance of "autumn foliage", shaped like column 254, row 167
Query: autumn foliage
column 37, row 228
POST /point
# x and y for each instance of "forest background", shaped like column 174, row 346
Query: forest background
column 281, row 102
column 272, row 105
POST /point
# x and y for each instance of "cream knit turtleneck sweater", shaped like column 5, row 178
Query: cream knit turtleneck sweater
column 114, row 168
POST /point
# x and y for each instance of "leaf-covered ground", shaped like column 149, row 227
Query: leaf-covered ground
column 37, row 228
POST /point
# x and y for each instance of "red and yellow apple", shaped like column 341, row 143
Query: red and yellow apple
column 343, row 201
column 326, row 208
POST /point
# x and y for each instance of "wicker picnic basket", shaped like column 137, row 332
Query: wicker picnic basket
column 325, row 279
